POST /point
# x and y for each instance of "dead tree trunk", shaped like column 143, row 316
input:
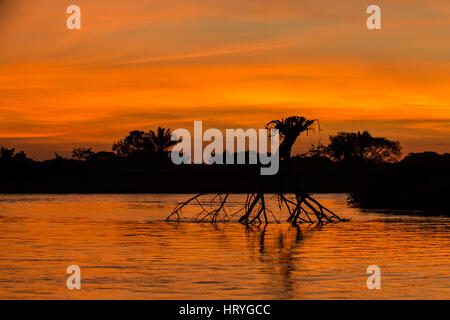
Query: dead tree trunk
column 301, row 206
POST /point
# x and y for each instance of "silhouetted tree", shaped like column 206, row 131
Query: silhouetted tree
column 6, row 154
column 145, row 143
column 11, row 155
column 59, row 157
column 362, row 147
column 316, row 151
column 21, row 156
column 81, row 154
column 289, row 129
column 135, row 141
column 161, row 140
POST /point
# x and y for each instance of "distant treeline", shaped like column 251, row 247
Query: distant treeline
column 369, row 168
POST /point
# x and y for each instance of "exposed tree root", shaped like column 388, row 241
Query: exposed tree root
column 302, row 208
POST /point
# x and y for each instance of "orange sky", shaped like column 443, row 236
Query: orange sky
column 139, row 64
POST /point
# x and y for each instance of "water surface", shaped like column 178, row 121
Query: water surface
column 126, row 251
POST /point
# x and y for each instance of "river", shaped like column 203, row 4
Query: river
column 125, row 250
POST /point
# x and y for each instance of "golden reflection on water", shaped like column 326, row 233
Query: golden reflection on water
column 125, row 250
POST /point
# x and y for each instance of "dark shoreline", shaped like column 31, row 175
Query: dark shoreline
column 415, row 183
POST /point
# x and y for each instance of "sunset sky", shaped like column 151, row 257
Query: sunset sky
column 139, row 64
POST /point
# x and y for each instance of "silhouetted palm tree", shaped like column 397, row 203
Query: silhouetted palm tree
column 161, row 140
